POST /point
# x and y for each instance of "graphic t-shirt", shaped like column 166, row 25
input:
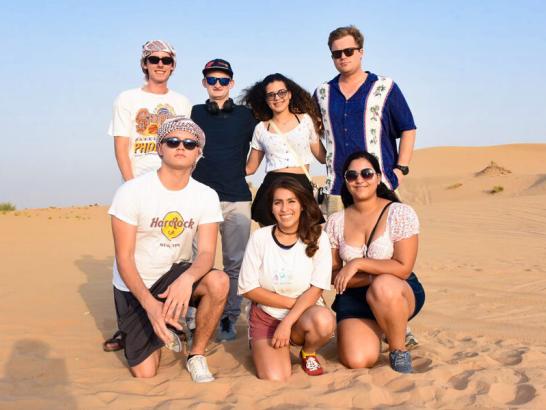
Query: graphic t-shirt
column 138, row 115
column 287, row 272
column 166, row 222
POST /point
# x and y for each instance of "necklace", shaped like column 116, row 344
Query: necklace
column 286, row 233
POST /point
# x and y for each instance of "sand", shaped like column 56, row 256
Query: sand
column 482, row 334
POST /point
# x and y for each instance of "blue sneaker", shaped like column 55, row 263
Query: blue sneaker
column 226, row 331
column 401, row 361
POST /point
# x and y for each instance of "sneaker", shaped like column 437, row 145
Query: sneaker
column 226, row 330
column 401, row 361
column 411, row 340
column 199, row 370
column 310, row 364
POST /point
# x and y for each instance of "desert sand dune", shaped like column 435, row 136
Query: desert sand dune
column 481, row 332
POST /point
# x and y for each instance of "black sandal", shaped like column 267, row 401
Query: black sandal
column 115, row 343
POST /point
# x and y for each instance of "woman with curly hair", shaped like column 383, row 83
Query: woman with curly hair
column 284, row 272
column 287, row 135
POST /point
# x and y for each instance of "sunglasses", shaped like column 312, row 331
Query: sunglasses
column 281, row 94
column 347, row 51
column 156, row 60
column 222, row 80
column 367, row 173
column 188, row 143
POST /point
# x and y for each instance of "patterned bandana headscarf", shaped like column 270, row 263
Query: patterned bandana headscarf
column 181, row 123
column 153, row 46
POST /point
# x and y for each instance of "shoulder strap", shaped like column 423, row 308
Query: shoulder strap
column 375, row 227
column 300, row 162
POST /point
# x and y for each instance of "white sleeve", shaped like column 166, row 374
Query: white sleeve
column 332, row 229
column 403, row 222
column 121, row 124
column 252, row 262
column 322, row 264
column 313, row 136
column 186, row 110
column 212, row 212
column 125, row 204
column 256, row 142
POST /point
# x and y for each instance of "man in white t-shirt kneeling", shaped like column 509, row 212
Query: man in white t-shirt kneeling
column 154, row 219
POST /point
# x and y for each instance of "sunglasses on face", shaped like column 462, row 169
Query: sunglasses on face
column 367, row 173
column 281, row 94
column 174, row 142
column 222, row 80
column 156, row 60
column 347, row 51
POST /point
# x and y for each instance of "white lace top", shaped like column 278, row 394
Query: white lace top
column 277, row 153
column 402, row 222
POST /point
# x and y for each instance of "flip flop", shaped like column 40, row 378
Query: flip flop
column 115, row 343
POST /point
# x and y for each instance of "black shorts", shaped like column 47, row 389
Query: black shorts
column 137, row 331
column 352, row 303
column 259, row 211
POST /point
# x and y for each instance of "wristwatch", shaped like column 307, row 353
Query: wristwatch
column 403, row 168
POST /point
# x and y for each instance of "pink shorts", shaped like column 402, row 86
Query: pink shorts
column 261, row 325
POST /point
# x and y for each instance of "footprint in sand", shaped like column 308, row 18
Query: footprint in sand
column 460, row 356
column 524, row 394
column 510, row 358
column 401, row 385
column 460, row 381
column 422, row 365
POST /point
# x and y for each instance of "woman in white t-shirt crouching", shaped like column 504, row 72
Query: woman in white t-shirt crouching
column 284, row 272
column 287, row 136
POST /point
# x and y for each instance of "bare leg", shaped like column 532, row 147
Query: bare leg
column 148, row 367
column 212, row 291
column 392, row 302
column 314, row 328
column 358, row 342
column 271, row 364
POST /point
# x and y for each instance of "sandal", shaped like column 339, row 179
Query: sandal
column 115, row 343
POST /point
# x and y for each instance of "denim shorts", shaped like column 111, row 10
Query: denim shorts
column 352, row 303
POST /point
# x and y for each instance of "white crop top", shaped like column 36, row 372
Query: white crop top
column 402, row 223
column 277, row 154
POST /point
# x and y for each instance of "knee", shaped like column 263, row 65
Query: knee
column 143, row 373
column 383, row 290
column 274, row 376
column 324, row 323
column 217, row 284
column 358, row 360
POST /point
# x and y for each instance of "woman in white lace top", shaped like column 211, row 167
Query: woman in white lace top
column 287, row 136
column 374, row 246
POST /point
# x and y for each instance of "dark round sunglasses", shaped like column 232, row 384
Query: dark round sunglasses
column 347, row 51
column 188, row 143
column 156, row 60
column 367, row 173
column 222, row 80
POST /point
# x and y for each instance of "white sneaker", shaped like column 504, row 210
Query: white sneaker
column 199, row 370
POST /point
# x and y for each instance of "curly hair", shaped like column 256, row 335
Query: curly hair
column 301, row 102
column 382, row 190
column 309, row 227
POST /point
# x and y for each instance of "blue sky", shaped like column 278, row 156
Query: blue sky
column 470, row 72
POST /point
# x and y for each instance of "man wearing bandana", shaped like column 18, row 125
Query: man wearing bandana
column 155, row 218
column 138, row 113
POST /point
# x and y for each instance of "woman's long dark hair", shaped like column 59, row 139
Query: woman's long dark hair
column 301, row 103
column 382, row 190
column 309, row 228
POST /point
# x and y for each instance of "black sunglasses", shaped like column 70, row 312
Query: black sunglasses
column 281, row 94
column 222, row 80
column 347, row 51
column 367, row 173
column 188, row 143
column 156, row 60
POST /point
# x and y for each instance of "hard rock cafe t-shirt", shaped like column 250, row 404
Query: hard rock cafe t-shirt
column 166, row 222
